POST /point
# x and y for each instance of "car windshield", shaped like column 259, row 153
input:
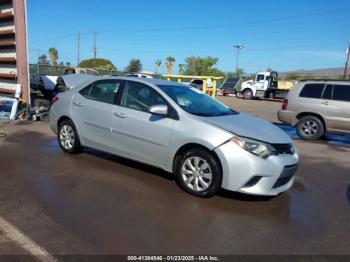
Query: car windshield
column 195, row 102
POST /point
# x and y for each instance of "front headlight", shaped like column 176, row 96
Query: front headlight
column 255, row 147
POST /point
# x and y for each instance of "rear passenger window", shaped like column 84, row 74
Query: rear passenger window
column 341, row 93
column 327, row 94
column 102, row 91
column 312, row 91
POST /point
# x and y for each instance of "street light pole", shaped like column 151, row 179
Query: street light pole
column 238, row 48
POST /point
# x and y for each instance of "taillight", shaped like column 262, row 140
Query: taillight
column 54, row 100
column 285, row 104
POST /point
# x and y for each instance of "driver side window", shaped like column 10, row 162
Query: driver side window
column 140, row 97
column 260, row 78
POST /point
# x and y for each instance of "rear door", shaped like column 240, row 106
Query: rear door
column 339, row 109
column 92, row 110
column 137, row 133
column 310, row 99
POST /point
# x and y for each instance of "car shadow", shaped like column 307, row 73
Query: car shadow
column 243, row 197
column 130, row 163
column 168, row 176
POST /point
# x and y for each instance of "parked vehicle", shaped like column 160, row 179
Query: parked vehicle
column 264, row 85
column 197, row 83
column 48, row 84
column 204, row 143
column 44, row 83
column 229, row 86
column 138, row 75
column 316, row 107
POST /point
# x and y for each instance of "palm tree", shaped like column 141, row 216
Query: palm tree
column 170, row 64
column 158, row 64
column 181, row 69
column 53, row 53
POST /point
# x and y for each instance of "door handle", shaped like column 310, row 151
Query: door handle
column 326, row 103
column 119, row 115
column 77, row 103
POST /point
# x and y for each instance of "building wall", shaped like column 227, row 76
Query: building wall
column 13, row 48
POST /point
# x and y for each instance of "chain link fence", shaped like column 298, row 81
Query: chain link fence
column 43, row 69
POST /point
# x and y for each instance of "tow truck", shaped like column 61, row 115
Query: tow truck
column 257, row 87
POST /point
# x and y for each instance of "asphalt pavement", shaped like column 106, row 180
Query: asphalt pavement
column 96, row 203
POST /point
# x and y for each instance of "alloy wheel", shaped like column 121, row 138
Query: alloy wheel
column 309, row 128
column 196, row 173
column 67, row 137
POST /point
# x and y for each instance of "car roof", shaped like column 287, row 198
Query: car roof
column 143, row 80
column 324, row 81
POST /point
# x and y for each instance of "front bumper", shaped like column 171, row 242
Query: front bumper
column 246, row 173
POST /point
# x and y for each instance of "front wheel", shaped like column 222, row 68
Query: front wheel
column 68, row 137
column 248, row 94
column 199, row 173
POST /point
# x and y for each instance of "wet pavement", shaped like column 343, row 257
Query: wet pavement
column 95, row 203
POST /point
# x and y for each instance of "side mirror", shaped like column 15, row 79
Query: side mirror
column 159, row 110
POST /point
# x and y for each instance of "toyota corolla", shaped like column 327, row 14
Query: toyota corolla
column 204, row 143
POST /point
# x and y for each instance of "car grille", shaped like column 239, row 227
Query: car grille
column 286, row 176
column 253, row 181
column 283, row 149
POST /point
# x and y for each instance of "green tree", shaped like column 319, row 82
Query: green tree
column 170, row 64
column 158, row 64
column 134, row 66
column 53, row 53
column 181, row 69
column 101, row 64
column 202, row 66
column 239, row 72
column 68, row 64
column 42, row 60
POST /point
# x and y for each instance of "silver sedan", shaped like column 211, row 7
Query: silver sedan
column 204, row 143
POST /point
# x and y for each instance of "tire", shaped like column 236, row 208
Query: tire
column 248, row 94
column 310, row 128
column 201, row 183
column 68, row 138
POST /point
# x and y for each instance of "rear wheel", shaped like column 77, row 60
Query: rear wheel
column 310, row 128
column 199, row 173
column 248, row 94
column 68, row 137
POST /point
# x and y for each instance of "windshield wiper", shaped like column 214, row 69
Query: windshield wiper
column 200, row 114
column 224, row 114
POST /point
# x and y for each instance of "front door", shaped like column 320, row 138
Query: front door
column 139, row 134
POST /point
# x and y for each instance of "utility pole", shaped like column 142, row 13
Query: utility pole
column 239, row 48
column 347, row 62
column 94, row 50
column 78, row 62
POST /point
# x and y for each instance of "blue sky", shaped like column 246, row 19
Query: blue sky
column 283, row 35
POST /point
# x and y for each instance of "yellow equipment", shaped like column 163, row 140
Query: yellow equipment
column 210, row 91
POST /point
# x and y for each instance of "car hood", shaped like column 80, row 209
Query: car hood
column 251, row 127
